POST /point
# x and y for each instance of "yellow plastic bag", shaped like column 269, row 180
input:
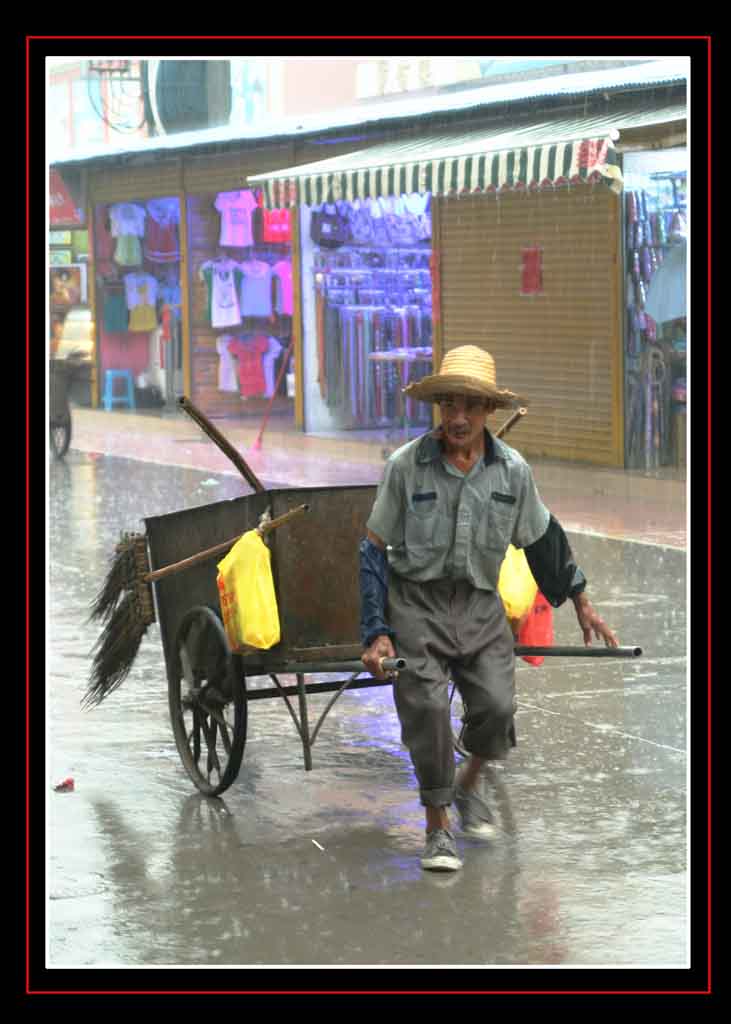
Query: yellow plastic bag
column 246, row 590
column 516, row 585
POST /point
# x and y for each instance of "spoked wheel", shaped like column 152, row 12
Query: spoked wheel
column 60, row 436
column 457, row 711
column 207, row 697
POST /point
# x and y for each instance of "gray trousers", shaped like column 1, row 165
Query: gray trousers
column 447, row 629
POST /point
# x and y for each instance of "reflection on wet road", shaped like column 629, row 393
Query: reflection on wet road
column 322, row 867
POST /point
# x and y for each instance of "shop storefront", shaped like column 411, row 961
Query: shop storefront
column 441, row 242
column 521, row 252
column 656, row 331
column 192, row 288
column 71, row 321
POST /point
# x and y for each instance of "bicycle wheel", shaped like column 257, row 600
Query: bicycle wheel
column 60, row 436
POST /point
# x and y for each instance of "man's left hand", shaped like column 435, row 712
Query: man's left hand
column 590, row 622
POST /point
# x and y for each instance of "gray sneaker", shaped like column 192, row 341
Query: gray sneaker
column 476, row 816
column 440, row 852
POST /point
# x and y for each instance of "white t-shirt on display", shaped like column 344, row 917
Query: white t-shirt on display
column 268, row 360
column 283, row 273
column 226, row 368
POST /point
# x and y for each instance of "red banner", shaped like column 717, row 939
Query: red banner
column 66, row 200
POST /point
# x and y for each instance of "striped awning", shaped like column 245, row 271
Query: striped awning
column 531, row 156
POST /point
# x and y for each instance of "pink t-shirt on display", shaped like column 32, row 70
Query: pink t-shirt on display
column 283, row 273
column 236, row 209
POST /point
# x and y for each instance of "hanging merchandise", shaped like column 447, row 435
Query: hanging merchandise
column 128, row 226
column 226, row 365
column 250, row 353
column 236, row 209
column 402, row 228
column 417, row 206
column 380, row 228
column 103, row 242
column 161, row 238
column 223, row 279
column 141, row 292
column 269, row 360
column 361, row 225
column 284, row 301
column 256, row 288
column 277, row 226
column 116, row 313
column 329, row 226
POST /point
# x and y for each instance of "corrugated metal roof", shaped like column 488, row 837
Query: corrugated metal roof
column 654, row 72
column 464, row 144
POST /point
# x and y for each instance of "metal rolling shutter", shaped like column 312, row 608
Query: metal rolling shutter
column 561, row 350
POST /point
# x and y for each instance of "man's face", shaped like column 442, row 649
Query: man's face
column 463, row 418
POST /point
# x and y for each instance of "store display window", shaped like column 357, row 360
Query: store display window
column 137, row 266
column 367, row 308
column 656, row 335
column 242, row 254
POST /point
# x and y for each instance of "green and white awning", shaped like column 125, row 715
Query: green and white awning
column 535, row 156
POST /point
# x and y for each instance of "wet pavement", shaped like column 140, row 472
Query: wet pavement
column 322, row 868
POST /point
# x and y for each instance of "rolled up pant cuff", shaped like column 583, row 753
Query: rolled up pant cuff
column 436, row 797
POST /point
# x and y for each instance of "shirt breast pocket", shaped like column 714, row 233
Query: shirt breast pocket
column 495, row 528
column 426, row 525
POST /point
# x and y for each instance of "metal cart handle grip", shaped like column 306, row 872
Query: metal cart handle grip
column 392, row 664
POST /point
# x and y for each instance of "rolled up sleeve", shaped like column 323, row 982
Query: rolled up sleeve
column 532, row 517
column 387, row 515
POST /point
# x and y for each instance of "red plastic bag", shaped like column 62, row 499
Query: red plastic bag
column 537, row 630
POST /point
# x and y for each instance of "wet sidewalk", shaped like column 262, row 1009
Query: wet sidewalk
column 623, row 504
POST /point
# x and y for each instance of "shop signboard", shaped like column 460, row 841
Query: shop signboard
column 67, row 201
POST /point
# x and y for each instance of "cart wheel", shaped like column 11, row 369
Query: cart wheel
column 207, row 696
column 456, row 711
column 60, row 436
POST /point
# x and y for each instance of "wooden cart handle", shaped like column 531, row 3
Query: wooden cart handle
column 226, row 447
column 511, row 421
column 219, row 549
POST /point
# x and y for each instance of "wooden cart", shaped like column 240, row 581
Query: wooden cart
column 315, row 567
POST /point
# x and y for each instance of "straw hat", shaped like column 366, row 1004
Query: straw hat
column 465, row 370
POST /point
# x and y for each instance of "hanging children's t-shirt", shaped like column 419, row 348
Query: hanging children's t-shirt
column 116, row 315
column 226, row 366
column 251, row 368
column 282, row 272
column 161, row 239
column 103, row 241
column 128, row 226
column 277, row 225
column 268, row 360
column 236, row 209
column 223, row 279
column 141, row 291
column 256, row 288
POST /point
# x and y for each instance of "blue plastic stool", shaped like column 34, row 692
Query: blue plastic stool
column 109, row 397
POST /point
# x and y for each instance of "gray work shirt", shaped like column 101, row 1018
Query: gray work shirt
column 441, row 523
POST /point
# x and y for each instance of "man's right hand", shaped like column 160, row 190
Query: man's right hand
column 371, row 657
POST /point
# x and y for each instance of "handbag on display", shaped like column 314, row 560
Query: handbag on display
column 378, row 220
column 402, row 227
column 329, row 226
column 361, row 223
